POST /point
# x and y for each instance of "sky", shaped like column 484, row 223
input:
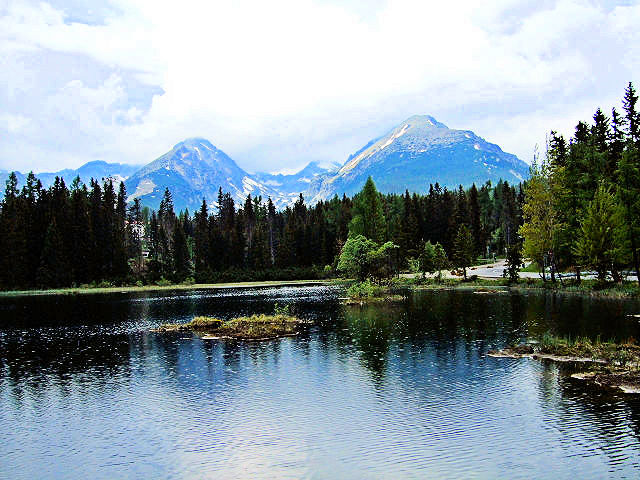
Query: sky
column 279, row 83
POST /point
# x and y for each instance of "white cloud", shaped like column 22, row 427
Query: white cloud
column 278, row 83
column 14, row 123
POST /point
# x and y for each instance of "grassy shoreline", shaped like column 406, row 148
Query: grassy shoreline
column 488, row 285
column 586, row 288
column 154, row 288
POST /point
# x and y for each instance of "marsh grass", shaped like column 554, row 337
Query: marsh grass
column 260, row 326
column 626, row 354
column 254, row 327
column 593, row 288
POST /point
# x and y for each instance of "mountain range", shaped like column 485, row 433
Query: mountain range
column 416, row 153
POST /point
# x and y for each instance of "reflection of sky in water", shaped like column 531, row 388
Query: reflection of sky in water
column 378, row 392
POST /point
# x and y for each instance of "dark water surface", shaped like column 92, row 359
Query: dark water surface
column 404, row 391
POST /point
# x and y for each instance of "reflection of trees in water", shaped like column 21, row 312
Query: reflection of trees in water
column 579, row 315
column 37, row 360
column 99, row 335
column 65, row 311
column 370, row 329
column 447, row 323
column 605, row 420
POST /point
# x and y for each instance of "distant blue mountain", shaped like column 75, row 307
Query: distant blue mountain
column 193, row 169
column 416, row 153
column 287, row 188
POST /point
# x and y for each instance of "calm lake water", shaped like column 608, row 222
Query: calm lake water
column 403, row 391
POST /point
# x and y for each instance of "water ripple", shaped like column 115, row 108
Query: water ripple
column 374, row 392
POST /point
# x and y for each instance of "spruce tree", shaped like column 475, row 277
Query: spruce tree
column 271, row 219
column 603, row 239
column 201, row 241
column 13, row 236
column 155, row 261
column 52, row 272
column 632, row 115
column 463, row 249
column 629, row 194
column 475, row 221
column 368, row 217
column 181, row 261
column 135, row 234
column 81, row 233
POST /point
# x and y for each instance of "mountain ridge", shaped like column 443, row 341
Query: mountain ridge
column 416, row 153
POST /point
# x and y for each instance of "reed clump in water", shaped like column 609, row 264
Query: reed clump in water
column 254, row 327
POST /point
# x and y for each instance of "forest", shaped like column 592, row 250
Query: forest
column 90, row 236
column 582, row 201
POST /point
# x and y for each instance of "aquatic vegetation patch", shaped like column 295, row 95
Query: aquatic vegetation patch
column 611, row 364
column 369, row 292
column 254, row 327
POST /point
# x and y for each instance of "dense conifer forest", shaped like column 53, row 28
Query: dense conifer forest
column 89, row 235
column 582, row 209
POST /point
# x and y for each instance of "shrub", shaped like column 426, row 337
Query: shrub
column 284, row 310
column 364, row 289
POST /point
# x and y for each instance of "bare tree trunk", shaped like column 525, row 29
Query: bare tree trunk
column 555, row 268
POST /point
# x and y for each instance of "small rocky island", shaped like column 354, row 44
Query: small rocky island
column 606, row 364
column 254, row 327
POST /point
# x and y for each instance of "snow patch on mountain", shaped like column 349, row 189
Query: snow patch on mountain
column 145, row 187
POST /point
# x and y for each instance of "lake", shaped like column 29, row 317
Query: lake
column 379, row 391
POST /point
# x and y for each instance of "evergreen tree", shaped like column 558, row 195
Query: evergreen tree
column 629, row 195
column 602, row 242
column 52, row 272
column 441, row 261
column 13, row 236
column 475, row 223
column 632, row 116
column 98, row 232
column 135, row 228
column 201, row 241
column 368, row 217
column 463, row 249
column 271, row 219
column 120, row 264
column 181, row 263
column 155, row 261
column 81, row 233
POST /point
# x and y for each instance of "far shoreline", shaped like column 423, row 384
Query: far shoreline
column 159, row 288
column 480, row 285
